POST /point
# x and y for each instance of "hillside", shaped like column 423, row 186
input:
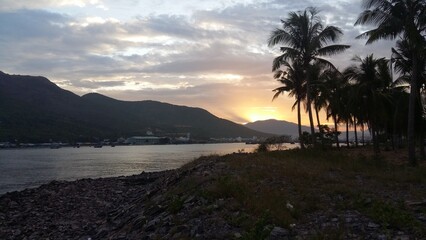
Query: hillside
column 35, row 109
column 279, row 127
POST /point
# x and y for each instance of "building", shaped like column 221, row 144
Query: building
column 145, row 140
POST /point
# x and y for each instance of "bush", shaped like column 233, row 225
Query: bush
column 274, row 143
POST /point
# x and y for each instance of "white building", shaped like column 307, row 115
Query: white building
column 145, row 140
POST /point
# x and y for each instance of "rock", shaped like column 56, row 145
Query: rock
column 381, row 237
column 278, row 233
column 120, row 208
column 189, row 199
column 238, row 235
column 402, row 237
column 372, row 225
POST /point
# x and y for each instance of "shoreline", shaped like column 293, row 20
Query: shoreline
column 70, row 208
column 223, row 197
column 21, row 169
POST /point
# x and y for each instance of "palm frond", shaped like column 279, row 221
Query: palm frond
column 325, row 63
column 402, row 82
column 278, row 91
column 332, row 50
column 329, row 34
column 278, row 61
column 375, row 17
column 279, row 36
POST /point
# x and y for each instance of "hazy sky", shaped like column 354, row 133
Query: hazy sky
column 210, row 54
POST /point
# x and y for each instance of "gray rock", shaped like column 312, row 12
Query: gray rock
column 279, row 233
column 381, row 237
column 238, row 235
column 372, row 225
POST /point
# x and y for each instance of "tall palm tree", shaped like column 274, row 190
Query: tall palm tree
column 305, row 40
column 403, row 64
column 370, row 78
column 292, row 82
column 406, row 19
column 317, row 76
column 334, row 85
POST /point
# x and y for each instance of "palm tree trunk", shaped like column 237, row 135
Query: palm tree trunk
column 411, row 113
column 421, row 138
column 422, row 145
column 318, row 120
column 356, row 134
column 311, row 119
column 319, row 127
column 375, row 140
column 336, row 137
column 347, row 134
column 362, row 134
column 394, row 126
column 299, row 124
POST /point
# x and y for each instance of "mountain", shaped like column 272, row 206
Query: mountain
column 34, row 109
column 278, row 127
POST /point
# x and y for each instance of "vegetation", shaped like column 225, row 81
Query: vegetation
column 364, row 94
column 285, row 188
column 274, row 143
column 306, row 41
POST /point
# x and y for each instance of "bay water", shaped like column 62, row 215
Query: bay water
column 31, row 167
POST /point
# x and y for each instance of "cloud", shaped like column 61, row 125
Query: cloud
column 206, row 53
column 8, row 5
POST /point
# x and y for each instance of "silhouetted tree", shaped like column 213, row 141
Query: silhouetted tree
column 305, row 40
column 405, row 19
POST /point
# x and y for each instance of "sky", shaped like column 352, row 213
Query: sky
column 211, row 54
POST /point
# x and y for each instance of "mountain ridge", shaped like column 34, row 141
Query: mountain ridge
column 282, row 127
column 35, row 109
column 278, row 127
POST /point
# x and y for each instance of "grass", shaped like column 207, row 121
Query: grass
column 314, row 180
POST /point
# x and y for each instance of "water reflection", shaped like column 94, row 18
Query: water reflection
column 22, row 168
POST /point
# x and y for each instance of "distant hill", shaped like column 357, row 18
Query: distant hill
column 35, row 109
column 281, row 127
column 278, row 127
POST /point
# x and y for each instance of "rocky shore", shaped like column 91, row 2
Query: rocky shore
column 176, row 204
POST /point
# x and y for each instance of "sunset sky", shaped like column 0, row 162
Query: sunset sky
column 211, row 54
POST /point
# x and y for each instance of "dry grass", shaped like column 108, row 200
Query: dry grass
column 266, row 184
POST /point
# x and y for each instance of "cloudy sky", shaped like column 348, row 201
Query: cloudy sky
column 210, row 54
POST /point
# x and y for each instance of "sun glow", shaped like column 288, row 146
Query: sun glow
column 263, row 113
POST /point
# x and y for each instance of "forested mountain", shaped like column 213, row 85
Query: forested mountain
column 34, row 109
column 278, row 127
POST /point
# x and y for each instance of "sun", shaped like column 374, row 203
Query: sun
column 262, row 113
column 259, row 117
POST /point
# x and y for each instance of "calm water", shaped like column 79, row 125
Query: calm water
column 23, row 168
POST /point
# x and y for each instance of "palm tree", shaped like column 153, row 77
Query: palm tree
column 292, row 82
column 305, row 41
column 371, row 80
column 333, row 86
column 406, row 19
column 317, row 76
column 403, row 63
column 346, row 110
